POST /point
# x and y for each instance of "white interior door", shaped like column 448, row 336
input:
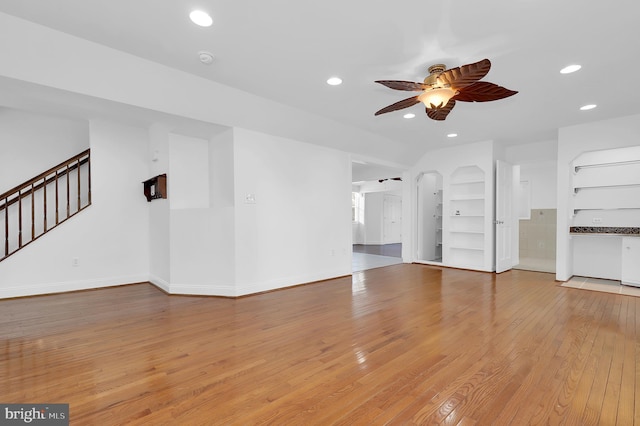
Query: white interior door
column 392, row 219
column 504, row 216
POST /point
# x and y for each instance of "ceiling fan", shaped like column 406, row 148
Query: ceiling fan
column 443, row 87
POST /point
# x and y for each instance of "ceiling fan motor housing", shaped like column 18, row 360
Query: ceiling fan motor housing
column 434, row 71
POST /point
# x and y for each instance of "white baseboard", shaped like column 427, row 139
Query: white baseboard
column 229, row 290
column 258, row 287
column 160, row 283
column 203, row 290
column 232, row 290
column 66, row 286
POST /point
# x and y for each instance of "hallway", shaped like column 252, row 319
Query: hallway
column 375, row 256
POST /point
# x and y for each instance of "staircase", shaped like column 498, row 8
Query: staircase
column 38, row 205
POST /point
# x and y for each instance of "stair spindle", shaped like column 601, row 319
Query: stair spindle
column 78, row 172
column 19, row 219
column 6, row 226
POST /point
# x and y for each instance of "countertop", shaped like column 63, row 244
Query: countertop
column 606, row 230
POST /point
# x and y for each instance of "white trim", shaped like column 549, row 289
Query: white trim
column 231, row 290
column 203, row 290
column 18, row 290
column 186, row 289
column 257, row 287
column 160, row 283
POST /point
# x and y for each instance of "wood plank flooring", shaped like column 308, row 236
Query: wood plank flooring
column 400, row 345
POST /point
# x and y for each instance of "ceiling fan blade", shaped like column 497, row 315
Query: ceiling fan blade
column 409, row 86
column 466, row 75
column 483, row 91
column 405, row 103
column 441, row 113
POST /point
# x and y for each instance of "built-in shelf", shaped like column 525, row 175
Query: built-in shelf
column 464, row 181
column 609, row 164
column 606, row 192
column 467, row 217
column 472, row 197
column 467, row 248
column 628, row 185
column 575, row 211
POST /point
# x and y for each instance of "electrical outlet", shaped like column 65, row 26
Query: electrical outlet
column 75, row 261
column 597, row 220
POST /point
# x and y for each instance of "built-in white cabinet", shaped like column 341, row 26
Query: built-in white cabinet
column 453, row 207
column 631, row 261
column 605, row 209
column 467, row 218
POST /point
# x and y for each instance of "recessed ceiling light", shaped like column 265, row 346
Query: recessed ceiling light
column 334, row 81
column 570, row 68
column 452, row 135
column 201, row 18
column 587, row 107
column 409, row 115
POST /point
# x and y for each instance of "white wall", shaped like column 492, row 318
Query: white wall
column 190, row 236
column 109, row 238
column 542, row 180
column 538, row 166
column 38, row 142
column 298, row 229
column 222, row 257
column 189, row 168
column 201, row 226
column 572, row 141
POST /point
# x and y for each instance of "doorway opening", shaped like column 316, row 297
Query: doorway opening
column 376, row 216
column 537, row 214
column 429, row 218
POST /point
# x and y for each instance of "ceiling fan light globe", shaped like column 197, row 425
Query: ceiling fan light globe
column 436, row 98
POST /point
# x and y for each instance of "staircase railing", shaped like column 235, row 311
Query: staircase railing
column 38, row 205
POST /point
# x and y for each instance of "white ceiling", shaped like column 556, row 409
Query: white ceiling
column 285, row 50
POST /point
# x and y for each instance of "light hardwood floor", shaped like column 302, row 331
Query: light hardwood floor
column 404, row 344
